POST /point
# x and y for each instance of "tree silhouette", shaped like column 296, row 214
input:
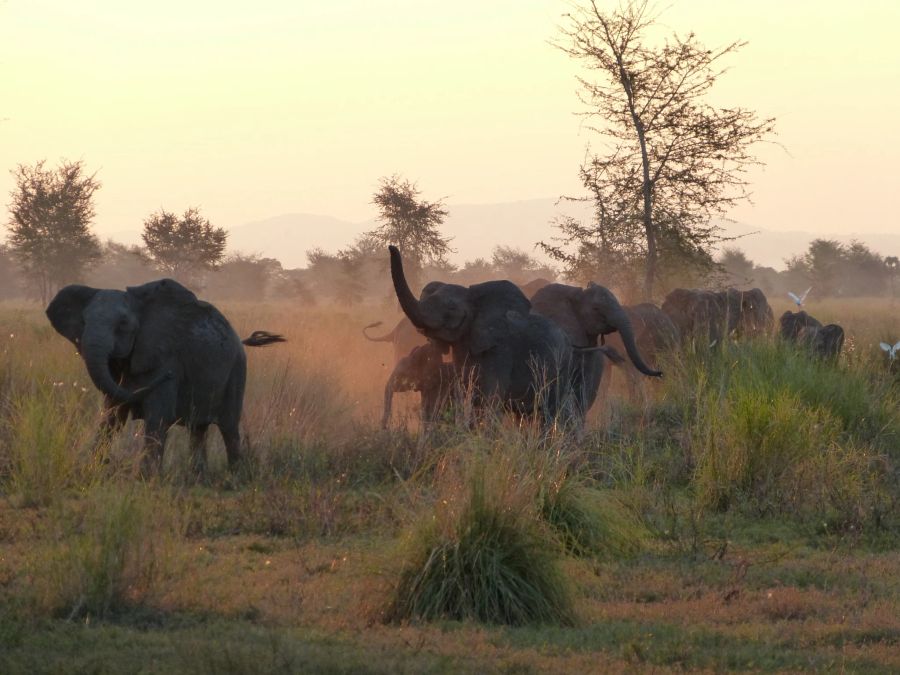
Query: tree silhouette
column 50, row 216
column 410, row 223
column 673, row 161
column 186, row 247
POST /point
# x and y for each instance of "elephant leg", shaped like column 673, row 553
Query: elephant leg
column 231, row 435
column 198, row 449
column 159, row 414
column 389, row 390
column 155, row 432
column 114, row 417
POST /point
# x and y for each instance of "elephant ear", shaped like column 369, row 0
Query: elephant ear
column 490, row 302
column 165, row 310
column 65, row 311
column 559, row 302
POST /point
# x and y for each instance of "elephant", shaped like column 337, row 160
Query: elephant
column 715, row 315
column 534, row 286
column 422, row 370
column 510, row 355
column 654, row 333
column 586, row 314
column 404, row 337
column 793, row 324
column 159, row 354
column 826, row 342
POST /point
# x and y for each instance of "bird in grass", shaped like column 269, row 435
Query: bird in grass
column 892, row 351
column 799, row 301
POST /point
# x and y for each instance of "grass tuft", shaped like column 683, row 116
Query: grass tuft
column 591, row 522
column 483, row 556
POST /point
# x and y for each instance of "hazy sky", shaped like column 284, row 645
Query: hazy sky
column 253, row 109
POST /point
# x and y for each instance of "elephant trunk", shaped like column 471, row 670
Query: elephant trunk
column 408, row 301
column 623, row 324
column 96, row 354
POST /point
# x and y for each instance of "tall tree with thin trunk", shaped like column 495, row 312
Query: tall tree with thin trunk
column 672, row 161
column 49, row 226
column 410, row 223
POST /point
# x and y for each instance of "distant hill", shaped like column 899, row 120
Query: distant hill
column 477, row 228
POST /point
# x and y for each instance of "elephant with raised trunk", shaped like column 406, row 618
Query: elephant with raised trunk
column 422, row 370
column 510, row 355
column 714, row 315
column 159, row 354
column 586, row 314
column 826, row 342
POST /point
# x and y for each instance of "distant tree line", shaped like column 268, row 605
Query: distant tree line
column 50, row 244
column 832, row 269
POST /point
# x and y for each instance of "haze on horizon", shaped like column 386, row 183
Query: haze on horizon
column 251, row 111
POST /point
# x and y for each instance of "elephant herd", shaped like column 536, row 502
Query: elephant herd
column 542, row 349
column 160, row 354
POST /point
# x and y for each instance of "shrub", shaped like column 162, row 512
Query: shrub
column 482, row 555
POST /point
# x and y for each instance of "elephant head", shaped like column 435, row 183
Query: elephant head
column 471, row 319
column 106, row 326
column 793, row 324
column 751, row 313
column 587, row 313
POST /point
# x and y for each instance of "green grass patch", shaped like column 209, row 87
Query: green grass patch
column 483, row 555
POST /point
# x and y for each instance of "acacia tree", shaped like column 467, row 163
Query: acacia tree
column 410, row 223
column 184, row 247
column 673, row 161
column 49, row 226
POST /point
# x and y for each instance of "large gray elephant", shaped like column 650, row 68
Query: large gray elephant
column 586, row 314
column 422, row 370
column 510, row 355
column 714, row 315
column 159, row 354
column 404, row 337
column 826, row 342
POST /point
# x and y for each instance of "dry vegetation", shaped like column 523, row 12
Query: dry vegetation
column 741, row 515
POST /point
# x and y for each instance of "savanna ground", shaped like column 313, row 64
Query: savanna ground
column 740, row 515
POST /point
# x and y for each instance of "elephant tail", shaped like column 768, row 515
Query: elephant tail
column 261, row 338
column 389, row 337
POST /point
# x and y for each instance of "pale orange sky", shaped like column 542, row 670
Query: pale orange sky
column 251, row 110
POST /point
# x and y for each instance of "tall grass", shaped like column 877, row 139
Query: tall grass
column 46, row 446
column 111, row 551
column 768, row 426
column 482, row 553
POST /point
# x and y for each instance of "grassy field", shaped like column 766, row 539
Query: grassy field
column 742, row 514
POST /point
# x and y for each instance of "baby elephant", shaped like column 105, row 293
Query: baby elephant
column 422, row 370
column 825, row 342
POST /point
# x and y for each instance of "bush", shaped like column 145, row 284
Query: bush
column 482, row 555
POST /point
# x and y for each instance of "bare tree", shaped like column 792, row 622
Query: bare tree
column 410, row 223
column 50, row 216
column 673, row 161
